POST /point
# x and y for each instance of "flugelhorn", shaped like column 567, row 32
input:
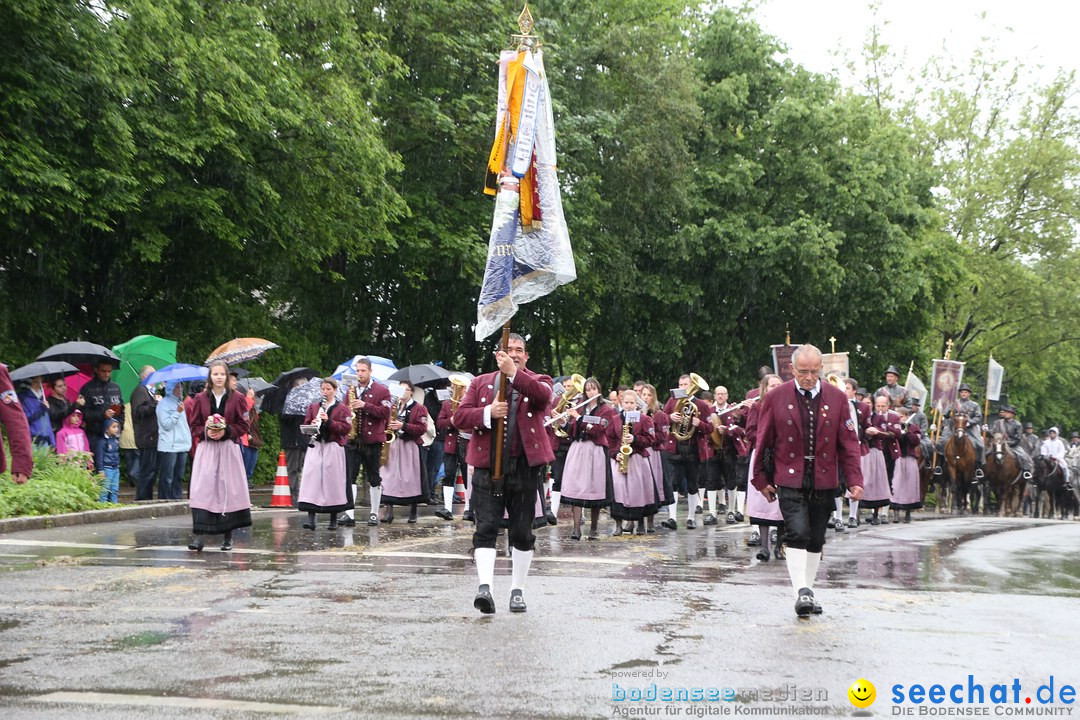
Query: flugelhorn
column 577, row 387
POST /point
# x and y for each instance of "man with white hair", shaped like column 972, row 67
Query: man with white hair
column 1053, row 447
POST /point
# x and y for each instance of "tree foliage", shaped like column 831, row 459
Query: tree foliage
column 310, row 171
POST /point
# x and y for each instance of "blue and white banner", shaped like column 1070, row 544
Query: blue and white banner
column 523, row 266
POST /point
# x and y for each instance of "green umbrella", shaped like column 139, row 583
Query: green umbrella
column 137, row 352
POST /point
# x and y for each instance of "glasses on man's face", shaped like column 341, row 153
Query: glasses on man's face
column 802, row 372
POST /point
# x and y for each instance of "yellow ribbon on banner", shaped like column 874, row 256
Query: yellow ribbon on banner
column 515, row 88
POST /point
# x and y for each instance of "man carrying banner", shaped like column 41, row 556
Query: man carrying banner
column 526, row 452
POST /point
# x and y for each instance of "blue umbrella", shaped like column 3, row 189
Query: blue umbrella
column 177, row 372
column 381, row 368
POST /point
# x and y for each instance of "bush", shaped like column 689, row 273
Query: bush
column 54, row 487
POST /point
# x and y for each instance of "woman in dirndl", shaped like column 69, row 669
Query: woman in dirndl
column 322, row 481
column 906, row 492
column 218, row 491
column 402, row 481
column 882, row 431
column 764, row 515
column 661, row 426
column 634, row 493
column 587, row 472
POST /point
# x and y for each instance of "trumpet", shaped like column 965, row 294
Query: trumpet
column 559, row 416
column 577, row 384
column 686, row 407
column 625, row 448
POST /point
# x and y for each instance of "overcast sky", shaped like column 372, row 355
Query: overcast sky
column 1038, row 31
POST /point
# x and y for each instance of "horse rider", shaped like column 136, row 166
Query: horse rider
column 1072, row 457
column 1032, row 444
column 1010, row 429
column 1054, row 448
column 969, row 407
column 897, row 394
column 925, row 443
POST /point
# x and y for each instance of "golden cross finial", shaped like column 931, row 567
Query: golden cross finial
column 948, row 348
column 832, row 341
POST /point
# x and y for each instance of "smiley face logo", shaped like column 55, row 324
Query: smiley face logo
column 862, row 693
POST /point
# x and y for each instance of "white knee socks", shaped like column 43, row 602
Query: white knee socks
column 521, row 560
column 376, row 498
column 673, row 506
column 692, row 502
column 812, row 562
column 485, row 565
column 840, row 509
column 448, row 497
column 712, row 495
column 853, row 509
column 796, row 568
column 740, row 501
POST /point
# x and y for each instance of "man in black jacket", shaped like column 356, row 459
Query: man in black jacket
column 102, row 401
column 144, row 415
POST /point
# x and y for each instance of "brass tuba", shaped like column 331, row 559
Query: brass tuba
column 577, row 383
column 458, row 385
column 836, row 381
column 686, row 407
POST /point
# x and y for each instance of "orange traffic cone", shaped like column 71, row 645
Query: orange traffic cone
column 282, row 496
column 459, row 490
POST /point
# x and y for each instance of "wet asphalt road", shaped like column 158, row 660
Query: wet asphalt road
column 122, row 621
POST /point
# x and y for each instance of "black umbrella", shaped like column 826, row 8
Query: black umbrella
column 77, row 352
column 422, row 375
column 274, row 399
column 239, row 372
column 48, row 370
column 260, row 386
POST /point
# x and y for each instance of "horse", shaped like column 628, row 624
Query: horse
column 1003, row 473
column 960, row 459
column 1049, row 481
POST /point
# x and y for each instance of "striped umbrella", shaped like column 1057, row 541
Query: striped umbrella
column 240, row 350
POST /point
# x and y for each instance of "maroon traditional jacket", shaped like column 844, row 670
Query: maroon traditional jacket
column 735, row 435
column 909, row 441
column 445, row 423
column 18, row 430
column 601, row 433
column 864, row 410
column 236, row 417
column 375, row 413
column 701, row 432
column 535, row 392
column 888, row 423
column 415, row 423
column 338, row 417
column 779, row 427
column 661, row 425
column 642, row 431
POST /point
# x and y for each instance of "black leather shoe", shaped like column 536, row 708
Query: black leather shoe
column 444, row 514
column 670, row 524
column 372, row 520
column 517, row 602
column 754, row 540
column 196, row 543
column 853, row 522
column 346, row 521
column 730, row 518
column 698, row 510
column 576, row 535
column 468, row 516
column 690, row 524
column 710, row 519
column 739, row 517
column 483, row 600
column 839, row 527
column 778, row 552
column 332, row 525
column 550, row 518
column 412, row 516
column 226, row 546
column 762, row 556
column 389, row 516
column 538, row 522
column 805, row 604
column 308, row 526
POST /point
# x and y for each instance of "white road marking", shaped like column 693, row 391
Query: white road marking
column 97, row 698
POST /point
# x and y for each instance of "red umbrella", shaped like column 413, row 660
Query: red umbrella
column 240, row 350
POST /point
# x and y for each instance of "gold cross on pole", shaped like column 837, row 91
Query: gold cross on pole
column 948, row 348
column 832, row 341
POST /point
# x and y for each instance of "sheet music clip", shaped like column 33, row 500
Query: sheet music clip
column 633, row 416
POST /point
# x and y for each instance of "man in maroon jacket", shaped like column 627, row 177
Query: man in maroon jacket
column 805, row 435
column 685, row 459
column 526, row 451
column 371, row 409
column 18, row 431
